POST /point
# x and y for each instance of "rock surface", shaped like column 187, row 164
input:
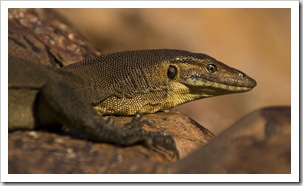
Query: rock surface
column 42, row 36
column 46, row 152
column 259, row 143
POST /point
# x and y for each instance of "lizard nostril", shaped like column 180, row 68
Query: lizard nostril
column 241, row 74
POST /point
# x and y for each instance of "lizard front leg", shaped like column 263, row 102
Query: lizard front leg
column 58, row 102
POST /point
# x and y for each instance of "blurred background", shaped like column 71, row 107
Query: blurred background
column 255, row 41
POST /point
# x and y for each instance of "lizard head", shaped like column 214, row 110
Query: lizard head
column 204, row 73
column 195, row 76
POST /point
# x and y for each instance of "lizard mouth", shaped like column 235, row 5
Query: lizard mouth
column 212, row 88
column 233, row 84
column 232, row 88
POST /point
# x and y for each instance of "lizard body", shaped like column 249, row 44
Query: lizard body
column 120, row 83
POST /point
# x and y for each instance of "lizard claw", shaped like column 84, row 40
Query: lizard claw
column 109, row 121
column 164, row 140
column 135, row 123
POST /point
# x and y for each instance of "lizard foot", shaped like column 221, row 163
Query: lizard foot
column 132, row 133
column 149, row 139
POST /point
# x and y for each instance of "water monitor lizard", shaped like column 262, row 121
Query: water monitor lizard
column 123, row 83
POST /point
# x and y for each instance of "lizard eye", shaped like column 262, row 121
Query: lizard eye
column 171, row 72
column 211, row 68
